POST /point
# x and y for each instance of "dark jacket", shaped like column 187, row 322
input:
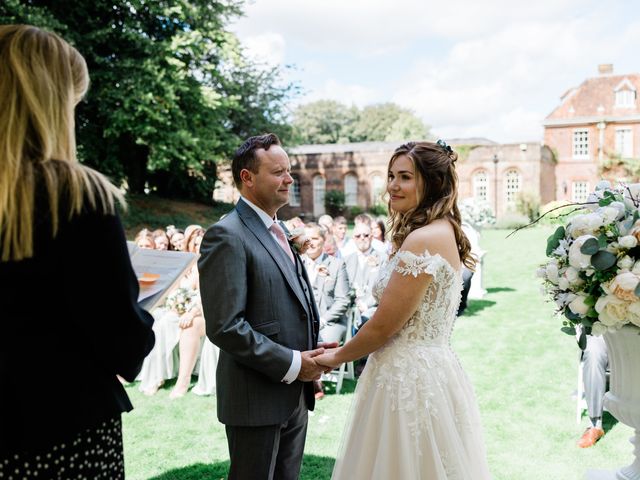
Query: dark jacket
column 70, row 322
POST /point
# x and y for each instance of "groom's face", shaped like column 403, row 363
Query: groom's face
column 270, row 185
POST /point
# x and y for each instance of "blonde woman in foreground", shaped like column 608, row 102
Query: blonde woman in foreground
column 415, row 415
column 71, row 306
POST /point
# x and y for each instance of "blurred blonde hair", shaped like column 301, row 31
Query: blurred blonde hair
column 42, row 78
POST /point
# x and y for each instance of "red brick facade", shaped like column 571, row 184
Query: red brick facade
column 596, row 125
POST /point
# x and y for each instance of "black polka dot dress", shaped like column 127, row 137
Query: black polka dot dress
column 94, row 454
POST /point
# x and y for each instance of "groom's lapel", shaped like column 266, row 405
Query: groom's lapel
column 255, row 225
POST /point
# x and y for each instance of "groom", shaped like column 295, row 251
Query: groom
column 260, row 311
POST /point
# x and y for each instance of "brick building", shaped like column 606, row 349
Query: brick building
column 593, row 130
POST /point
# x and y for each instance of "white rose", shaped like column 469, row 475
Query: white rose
column 634, row 313
column 609, row 214
column 593, row 200
column 603, row 185
column 572, row 275
column 611, row 310
column 627, row 280
column 628, row 241
column 598, row 328
column 625, row 263
column 552, row 273
column 541, row 272
column 636, row 268
column 577, row 259
column 563, row 283
column 578, row 306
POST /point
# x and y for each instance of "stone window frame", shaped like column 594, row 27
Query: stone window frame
column 619, row 148
column 349, row 181
column 512, row 185
column 579, row 190
column 580, row 143
column 475, row 187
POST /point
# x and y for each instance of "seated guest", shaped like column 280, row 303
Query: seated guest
column 160, row 239
column 379, row 232
column 178, row 323
column 594, row 377
column 340, row 233
column 326, row 222
column 176, row 240
column 362, row 269
column 67, row 424
column 144, row 239
column 330, row 247
column 328, row 278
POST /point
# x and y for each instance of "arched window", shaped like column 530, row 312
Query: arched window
column 294, row 192
column 480, row 185
column 318, row 195
column 350, row 190
column 377, row 189
column 513, row 183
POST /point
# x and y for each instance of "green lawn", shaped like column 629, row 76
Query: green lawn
column 523, row 368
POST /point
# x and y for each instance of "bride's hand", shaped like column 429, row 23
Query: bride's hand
column 328, row 358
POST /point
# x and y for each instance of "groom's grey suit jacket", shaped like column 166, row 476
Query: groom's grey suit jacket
column 258, row 307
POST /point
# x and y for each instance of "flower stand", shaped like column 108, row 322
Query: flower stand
column 623, row 397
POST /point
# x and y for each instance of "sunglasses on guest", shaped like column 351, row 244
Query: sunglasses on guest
column 362, row 235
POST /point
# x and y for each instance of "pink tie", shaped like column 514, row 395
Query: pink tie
column 282, row 239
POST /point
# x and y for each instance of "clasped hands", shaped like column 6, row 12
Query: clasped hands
column 318, row 361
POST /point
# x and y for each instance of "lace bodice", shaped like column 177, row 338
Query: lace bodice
column 433, row 322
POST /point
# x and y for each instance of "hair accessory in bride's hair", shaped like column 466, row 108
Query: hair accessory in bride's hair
column 444, row 146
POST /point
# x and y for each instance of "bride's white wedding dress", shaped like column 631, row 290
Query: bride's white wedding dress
column 415, row 414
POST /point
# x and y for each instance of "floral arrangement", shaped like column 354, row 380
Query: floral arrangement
column 476, row 212
column 298, row 240
column 593, row 271
column 181, row 300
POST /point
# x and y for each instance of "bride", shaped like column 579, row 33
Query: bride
column 415, row 414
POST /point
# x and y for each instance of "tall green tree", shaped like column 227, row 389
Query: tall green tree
column 388, row 122
column 171, row 93
column 324, row 121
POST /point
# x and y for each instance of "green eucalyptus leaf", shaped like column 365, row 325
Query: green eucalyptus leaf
column 603, row 260
column 582, row 341
column 605, row 202
column 637, row 290
column 590, row 301
column 602, row 240
column 569, row 330
column 574, row 317
column 590, row 247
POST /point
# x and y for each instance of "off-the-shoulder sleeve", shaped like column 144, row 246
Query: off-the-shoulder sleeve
column 411, row 264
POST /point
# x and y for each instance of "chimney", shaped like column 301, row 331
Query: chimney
column 605, row 68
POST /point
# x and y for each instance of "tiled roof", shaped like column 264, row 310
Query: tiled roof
column 596, row 97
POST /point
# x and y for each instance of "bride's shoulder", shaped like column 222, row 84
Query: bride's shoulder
column 435, row 239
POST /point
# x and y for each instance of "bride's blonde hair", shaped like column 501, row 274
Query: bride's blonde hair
column 437, row 195
column 42, row 78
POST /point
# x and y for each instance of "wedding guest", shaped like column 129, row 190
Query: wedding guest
column 67, row 424
column 594, row 376
column 179, row 323
column 326, row 222
column 362, row 269
column 340, row 232
column 176, row 240
column 330, row 284
column 160, row 239
column 330, row 247
column 144, row 239
column 379, row 232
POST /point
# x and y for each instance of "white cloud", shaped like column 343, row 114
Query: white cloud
column 349, row 94
column 266, row 48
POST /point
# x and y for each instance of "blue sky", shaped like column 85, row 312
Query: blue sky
column 492, row 68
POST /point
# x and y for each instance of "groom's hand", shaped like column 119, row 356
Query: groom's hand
column 309, row 369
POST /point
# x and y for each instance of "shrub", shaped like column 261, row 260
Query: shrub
column 528, row 203
column 334, row 202
column 562, row 213
column 379, row 209
column 511, row 220
column 477, row 213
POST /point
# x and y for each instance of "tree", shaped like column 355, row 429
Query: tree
column 171, row 92
column 328, row 121
column 324, row 121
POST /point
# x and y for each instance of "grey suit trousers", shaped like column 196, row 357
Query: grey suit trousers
column 271, row 452
column 594, row 374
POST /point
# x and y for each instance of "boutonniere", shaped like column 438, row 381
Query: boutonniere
column 373, row 261
column 322, row 271
column 298, row 240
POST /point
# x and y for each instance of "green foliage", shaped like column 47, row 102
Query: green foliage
column 355, row 211
column 334, row 202
column 558, row 212
column 379, row 209
column 328, row 121
column 528, row 203
column 171, row 93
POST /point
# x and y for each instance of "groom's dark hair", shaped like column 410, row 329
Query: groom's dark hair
column 245, row 156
